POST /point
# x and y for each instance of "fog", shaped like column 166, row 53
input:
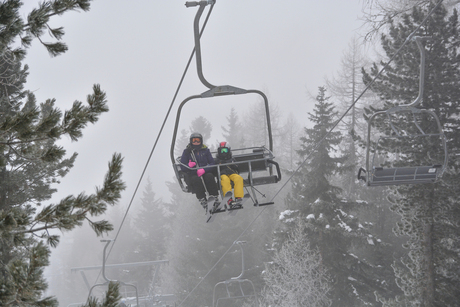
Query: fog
column 137, row 51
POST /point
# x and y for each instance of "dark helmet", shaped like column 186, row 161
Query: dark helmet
column 194, row 136
column 224, row 152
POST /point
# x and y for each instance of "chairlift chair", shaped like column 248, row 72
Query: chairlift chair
column 238, row 281
column 107, row 281
column 257, row 162
column 412, row 136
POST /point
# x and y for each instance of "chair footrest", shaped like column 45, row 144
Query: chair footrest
column 264, row 204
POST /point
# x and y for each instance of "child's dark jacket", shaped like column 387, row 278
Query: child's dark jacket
column 227, row 169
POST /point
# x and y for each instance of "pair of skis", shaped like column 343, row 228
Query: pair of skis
column 214, row 206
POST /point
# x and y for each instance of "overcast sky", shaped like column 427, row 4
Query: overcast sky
column 137, row 51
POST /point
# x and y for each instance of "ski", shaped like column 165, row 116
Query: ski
column 226, row 198
column 214, row 206
column 234, row 207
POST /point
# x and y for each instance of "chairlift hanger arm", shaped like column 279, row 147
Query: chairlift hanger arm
column 196, row 31
column 421, row 48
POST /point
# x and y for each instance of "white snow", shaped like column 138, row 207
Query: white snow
column 345, row 226
column 286, row 213
column 351, row 278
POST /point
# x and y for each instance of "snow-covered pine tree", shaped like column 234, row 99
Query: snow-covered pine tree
column 295, row 276
column 31, row 161
column 429, row 214
column 332, row 228
column 111, row 299
column 346, row 86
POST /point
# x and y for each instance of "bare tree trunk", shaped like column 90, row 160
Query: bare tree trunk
column 429, row 287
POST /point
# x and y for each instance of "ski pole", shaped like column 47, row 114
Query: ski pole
column 201, row 177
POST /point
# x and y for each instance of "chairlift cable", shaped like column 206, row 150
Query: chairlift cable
column 158, row 136
column 317, row 145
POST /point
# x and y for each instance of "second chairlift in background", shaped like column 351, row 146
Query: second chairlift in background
column 412, row 147
column 238, row 290
column 254, row 162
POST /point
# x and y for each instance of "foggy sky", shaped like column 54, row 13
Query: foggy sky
column 137, row 51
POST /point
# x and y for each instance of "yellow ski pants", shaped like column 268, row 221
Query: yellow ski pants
column 237, row 184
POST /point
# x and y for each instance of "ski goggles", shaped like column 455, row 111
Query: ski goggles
column 224, row 150
column 196, row 140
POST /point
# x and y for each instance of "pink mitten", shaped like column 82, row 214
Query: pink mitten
column 200, row 172
column 191, row 163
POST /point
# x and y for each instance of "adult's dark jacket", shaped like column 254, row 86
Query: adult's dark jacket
column 202, row 156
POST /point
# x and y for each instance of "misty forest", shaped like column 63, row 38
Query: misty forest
column 330, row 238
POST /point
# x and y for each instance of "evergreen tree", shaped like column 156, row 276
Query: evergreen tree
column 203, row 126
column 255, row 125
column 429, row 213
column 195, row 247
column 111, row 299
column 234, row 133
column 182, row 141
column 31, row 161
column 295, row 276
column 323, row 164
column 151, row 231
column 346, row 87
column 331, row 226
column 152, row 224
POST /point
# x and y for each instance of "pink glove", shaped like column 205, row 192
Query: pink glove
column 191, row 163
column 200, row 172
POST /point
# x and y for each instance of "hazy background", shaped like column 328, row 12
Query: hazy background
column 137, row 51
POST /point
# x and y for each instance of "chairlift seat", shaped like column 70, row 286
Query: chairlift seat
column 404, row 175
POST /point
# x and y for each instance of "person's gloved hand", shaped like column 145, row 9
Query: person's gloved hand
column 191, row 163
column 200, row 172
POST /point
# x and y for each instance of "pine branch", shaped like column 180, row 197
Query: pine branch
column 59, row 7
column 38, row 22
column 112, row 297
column 71, row 211
column 78, row 116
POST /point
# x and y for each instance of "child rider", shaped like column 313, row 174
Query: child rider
column 229, row 173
